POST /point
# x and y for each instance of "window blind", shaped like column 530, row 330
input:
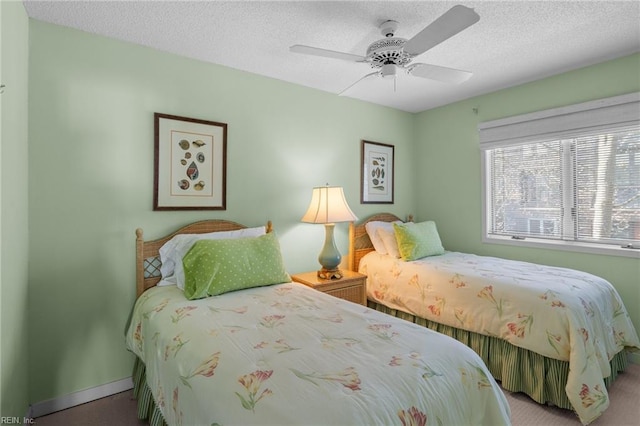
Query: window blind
column 607, row 186
column 526, row 186
column 565, row 174
column 559, row 123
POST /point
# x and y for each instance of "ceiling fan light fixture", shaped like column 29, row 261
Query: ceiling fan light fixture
column 388, row 71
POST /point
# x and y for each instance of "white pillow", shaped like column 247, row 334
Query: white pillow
column 163, row 283
column 172, row 252
column 372, row 227
column 388, row 238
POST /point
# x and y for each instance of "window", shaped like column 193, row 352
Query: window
column 568, row 176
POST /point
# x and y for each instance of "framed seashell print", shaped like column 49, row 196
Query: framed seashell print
column 377, row 173
column 190, row 163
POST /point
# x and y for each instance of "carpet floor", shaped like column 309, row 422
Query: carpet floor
column 624, row 409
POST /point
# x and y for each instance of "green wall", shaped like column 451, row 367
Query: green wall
column 14, row 43
column 91, row 149
column 447, row 165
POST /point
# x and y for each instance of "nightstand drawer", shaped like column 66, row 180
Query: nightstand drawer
column 351, row 287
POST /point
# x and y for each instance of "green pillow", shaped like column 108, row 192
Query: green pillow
column 213, row 267
column 418, row 240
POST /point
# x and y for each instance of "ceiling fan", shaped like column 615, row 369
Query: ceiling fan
column 391, row 53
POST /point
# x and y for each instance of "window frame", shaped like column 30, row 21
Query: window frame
column 555, row 124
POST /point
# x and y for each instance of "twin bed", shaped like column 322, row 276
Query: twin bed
column 269, row 351
column 556, row 334
column 282, row 353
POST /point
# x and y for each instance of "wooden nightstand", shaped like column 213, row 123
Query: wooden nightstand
column 351, row 287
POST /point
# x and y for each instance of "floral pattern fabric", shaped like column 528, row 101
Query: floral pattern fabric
column 560, row 313
column 287, row 354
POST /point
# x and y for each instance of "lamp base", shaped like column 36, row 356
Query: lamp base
column 329, row 274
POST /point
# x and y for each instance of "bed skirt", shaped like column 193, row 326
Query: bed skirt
column 147, row 408
column 506, row 362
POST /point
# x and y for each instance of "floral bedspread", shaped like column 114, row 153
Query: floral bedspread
column 557, row 312
column 287, row 354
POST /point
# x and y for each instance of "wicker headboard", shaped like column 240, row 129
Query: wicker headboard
column 147, row 256
column 359, row 242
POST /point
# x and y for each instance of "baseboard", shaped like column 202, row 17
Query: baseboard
column 43, row 408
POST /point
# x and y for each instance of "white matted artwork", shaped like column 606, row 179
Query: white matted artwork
column 190, row 163
column 377, row 173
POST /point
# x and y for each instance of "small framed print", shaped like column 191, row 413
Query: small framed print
column 190, row 164
column 377, row 173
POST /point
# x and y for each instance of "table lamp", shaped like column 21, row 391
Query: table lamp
column 329, row 206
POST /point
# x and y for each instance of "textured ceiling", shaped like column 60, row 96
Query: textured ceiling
column 514, row 41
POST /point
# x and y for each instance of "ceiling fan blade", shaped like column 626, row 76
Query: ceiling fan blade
column 435, row 72
column 363, row 78
column 451, row 23
column 316, row 51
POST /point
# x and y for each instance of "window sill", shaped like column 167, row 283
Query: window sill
column 609, row 250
